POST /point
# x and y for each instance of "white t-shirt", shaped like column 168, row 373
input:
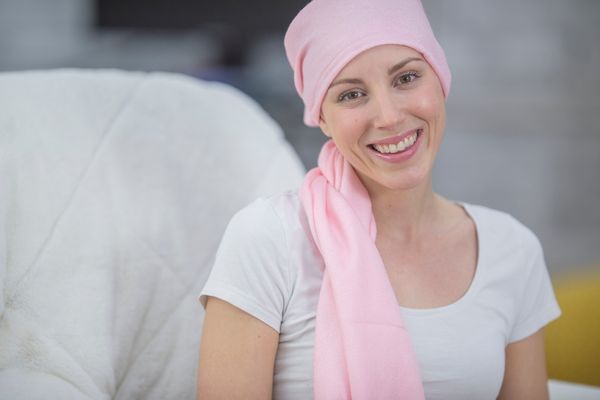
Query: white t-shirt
column 268, row 266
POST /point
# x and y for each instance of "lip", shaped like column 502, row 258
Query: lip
column 400, row 156
column 396, row 138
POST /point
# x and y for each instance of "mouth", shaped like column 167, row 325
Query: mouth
column 398, row 144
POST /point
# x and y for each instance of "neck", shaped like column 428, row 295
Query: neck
column 406, row 214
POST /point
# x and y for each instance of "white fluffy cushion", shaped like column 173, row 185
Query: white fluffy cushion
column 115, row 189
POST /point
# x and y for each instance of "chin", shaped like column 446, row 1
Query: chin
column 408, row 184
column 400, row 181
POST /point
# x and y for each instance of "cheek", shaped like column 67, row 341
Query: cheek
column 431, row 107
column 347, row 123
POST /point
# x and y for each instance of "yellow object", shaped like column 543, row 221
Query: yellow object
column 573, row 341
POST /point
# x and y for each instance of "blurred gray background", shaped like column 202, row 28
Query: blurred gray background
column 523, row 130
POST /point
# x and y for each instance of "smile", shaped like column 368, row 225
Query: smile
column 401, row 145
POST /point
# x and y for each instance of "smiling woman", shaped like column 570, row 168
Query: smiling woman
column 365, row 283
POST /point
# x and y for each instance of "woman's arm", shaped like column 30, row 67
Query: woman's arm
column 237, row 354
column 525, row 374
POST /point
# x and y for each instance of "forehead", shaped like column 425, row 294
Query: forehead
column 378, row 57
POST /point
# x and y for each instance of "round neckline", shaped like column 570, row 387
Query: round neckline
column 473, row 286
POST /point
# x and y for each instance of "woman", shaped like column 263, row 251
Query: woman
column 367, row 284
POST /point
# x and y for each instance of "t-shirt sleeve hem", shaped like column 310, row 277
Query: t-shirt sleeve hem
column 240, row 300
column 532, row 325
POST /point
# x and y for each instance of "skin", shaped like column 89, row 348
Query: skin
column 237, row 354
column 384, row 91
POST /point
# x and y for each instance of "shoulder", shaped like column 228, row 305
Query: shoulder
column 513, row 271
column 252, row 264
column 502, row 228
column 506, row 245
column 267, row 216
column 272, row 227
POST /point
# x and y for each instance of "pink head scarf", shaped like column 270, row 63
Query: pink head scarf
column 327, row 34
column 362, row 349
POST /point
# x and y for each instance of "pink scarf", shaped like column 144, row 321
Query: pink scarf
column 362, row 350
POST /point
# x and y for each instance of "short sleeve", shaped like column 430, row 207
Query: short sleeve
column 251, row 265
column 538, row 305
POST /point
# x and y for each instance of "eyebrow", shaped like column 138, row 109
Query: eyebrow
column 392, row 69
column 402, row 63
column 341, row 81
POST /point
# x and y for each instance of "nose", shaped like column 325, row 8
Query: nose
column 388, row 111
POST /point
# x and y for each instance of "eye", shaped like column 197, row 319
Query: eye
column 406, row 78
column 350, row 95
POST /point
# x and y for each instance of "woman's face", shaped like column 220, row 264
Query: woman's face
column 385, row 111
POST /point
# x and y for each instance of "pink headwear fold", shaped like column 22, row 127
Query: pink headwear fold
column 327, row 34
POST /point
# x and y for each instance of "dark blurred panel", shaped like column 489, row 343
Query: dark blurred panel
column 259, row 16
column 234, row 24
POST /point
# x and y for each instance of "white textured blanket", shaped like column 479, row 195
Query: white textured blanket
column 115, row 189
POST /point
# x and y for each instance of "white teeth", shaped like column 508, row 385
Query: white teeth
column 398, row 147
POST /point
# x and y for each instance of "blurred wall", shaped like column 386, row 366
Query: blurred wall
column 522, row 131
